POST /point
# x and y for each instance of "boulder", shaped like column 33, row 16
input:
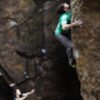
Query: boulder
column 86, row 40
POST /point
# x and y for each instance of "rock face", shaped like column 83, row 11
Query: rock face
column 18, row 31
column 28, row 26
column 86, row 39
column 14, row 34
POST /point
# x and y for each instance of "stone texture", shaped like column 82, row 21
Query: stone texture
column 10, row 38
column 58, row 80
column 22, row 37
column 86, row 39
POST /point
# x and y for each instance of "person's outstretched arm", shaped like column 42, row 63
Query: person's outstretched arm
column 28, row 93
column 67, row 26
column 23, row 96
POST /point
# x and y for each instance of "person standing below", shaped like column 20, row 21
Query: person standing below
column 63, row 30
column 22, row 96
column 17, row 94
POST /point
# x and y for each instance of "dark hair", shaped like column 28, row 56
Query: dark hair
column 60, row 9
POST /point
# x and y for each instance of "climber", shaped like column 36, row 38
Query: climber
column 63, row 30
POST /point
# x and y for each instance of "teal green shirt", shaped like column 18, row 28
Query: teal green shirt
column 64, row 18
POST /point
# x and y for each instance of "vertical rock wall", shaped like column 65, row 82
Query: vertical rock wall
column 21, row 29
column 58, row 81
column 86, row 39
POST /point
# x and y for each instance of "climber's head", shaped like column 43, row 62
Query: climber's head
column 62, row 8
